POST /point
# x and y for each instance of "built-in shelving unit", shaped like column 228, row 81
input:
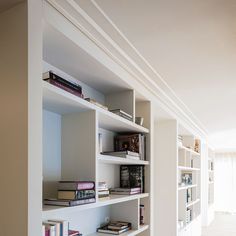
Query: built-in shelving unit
column 72, row 131
column 180, row 168
column 211, row 185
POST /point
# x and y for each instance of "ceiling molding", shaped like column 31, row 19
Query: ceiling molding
column 120, row 50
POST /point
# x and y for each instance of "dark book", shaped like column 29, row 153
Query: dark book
column 65, row 87
column 68, row 203
column 73, row 233
column 131, row 142
column 75, row 195
column 50, row 75
column 76, row 185
column 105, row 229
column 132, row 176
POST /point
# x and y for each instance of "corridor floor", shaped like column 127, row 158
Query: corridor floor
column 223, row 225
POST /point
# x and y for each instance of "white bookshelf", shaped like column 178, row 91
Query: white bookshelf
column 176, row 161
column 64, row 143
column 71, row 148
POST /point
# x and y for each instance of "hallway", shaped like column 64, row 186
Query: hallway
column 223, row 225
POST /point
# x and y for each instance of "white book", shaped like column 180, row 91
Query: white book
column 43, row 230
column 64, row 226
column 57, row 227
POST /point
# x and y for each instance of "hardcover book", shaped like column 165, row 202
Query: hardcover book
column 68, row 203
column 132, row 176
column 131, row 142
column 76, row 185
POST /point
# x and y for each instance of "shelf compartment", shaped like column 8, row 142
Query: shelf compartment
column 119, row 160
column 187, row 187
column 189, row 150
column 192, row 203
column 141, row 229
column 114, row 199
column 62, row 102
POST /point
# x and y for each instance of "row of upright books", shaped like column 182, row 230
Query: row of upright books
column 75, row 89
column 58, row 228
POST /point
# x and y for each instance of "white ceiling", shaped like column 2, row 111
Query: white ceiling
column 192, row 44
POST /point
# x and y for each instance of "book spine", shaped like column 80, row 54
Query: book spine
column 82, row 202
column 64, row 87
column 72, row 85
column 85, row 186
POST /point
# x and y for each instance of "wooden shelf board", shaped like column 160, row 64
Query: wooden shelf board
column 59, row 101
column 190, row 150
column 128, row 233
column 187, row 187
column 192, row 203
column 114, row 199
column 188, row 168
column 119, row 160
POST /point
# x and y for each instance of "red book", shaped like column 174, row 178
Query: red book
column 47, row 232
column 73, row 232
column 76, row 185
column 65, row 87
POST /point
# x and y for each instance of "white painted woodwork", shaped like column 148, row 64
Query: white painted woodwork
column 165, row 166
column 124, row 100
column 21, row 126
column 79, row 146
column 51, row 153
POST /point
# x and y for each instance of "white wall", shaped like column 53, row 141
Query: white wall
column 20, row 126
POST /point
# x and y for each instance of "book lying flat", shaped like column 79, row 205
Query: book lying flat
column 117, row 153
column 70, row 84
column 76, row 185
column 119, row 225
column 68, row 203
column 125, row 189
column 75, row 194
column 106, row 230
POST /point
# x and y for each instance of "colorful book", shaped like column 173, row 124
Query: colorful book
column 65, row 87
column 70, row 84
column 76, row 185
column 131, row 142
column 75, row 195
column 68, row 203
column 73, row 233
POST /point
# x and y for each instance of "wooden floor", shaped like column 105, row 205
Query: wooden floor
column 223, row 225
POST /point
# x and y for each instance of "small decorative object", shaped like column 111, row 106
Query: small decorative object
column 141, row 208
column 197, row 145
column 187, row 178
column 139, row 120
column 100, row 142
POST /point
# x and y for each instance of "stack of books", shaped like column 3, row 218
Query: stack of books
column 124, row 154
column 103, row 191
column 125, row 191
column 73, row 193
column 134, row 143
column 62, row 83
column 93, row 101
column 123, row 114
column 58, row 228
column 116, row 228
